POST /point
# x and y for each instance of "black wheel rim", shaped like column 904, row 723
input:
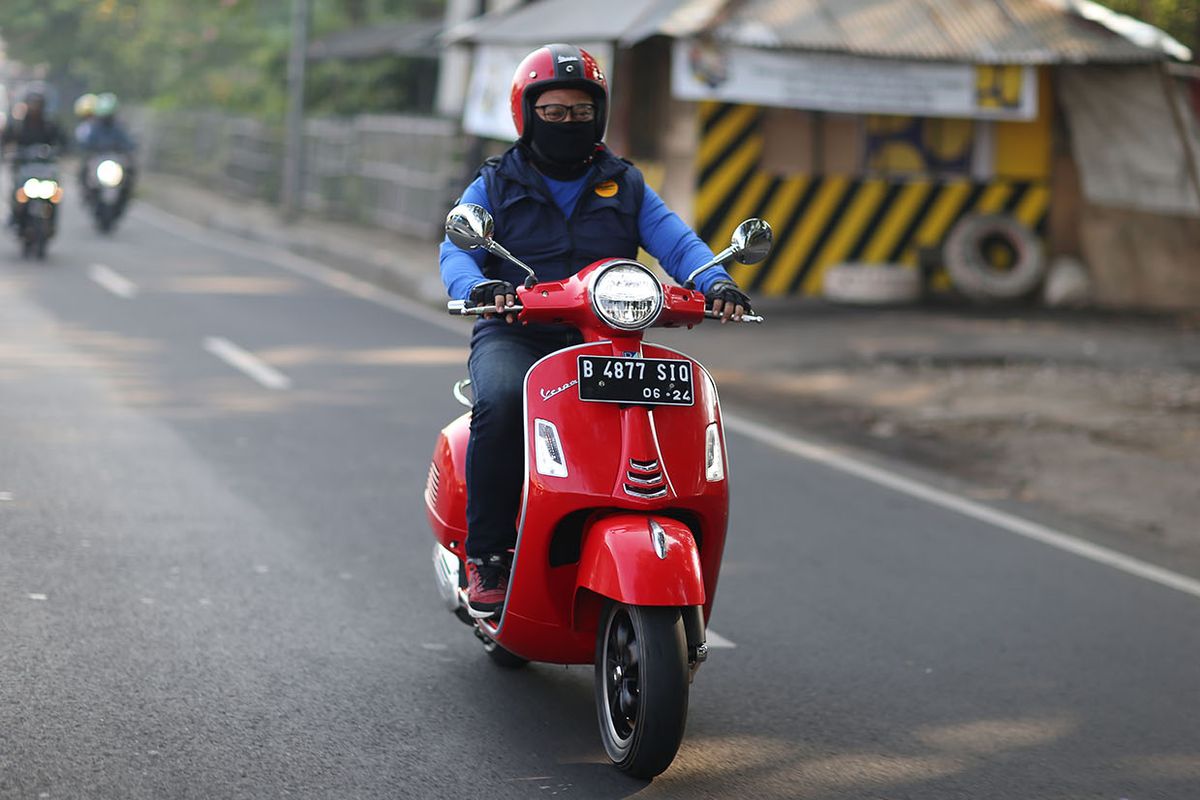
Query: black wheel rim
column 622, row 677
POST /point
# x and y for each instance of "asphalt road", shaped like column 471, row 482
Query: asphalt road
column 216, row 583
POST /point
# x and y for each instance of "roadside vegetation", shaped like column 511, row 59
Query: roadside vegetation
column 230, row 54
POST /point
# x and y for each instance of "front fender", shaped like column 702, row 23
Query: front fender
column 620, row 561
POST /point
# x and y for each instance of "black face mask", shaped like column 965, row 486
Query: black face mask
column 562, row 150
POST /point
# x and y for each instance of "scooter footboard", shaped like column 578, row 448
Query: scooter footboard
column 641, row 559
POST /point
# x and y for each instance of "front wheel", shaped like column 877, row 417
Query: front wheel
column 641, row 686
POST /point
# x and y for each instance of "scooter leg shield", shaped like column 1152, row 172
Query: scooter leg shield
column 642, row 559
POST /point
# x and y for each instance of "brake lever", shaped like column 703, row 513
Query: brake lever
column 755, row 318
column 459, row 308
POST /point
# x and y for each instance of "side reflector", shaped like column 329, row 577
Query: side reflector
column 548, row 449
column 714, row 459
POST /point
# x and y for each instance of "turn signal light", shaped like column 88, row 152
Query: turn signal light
column 21, row 196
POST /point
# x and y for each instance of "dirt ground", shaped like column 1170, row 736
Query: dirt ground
column 1095, row 418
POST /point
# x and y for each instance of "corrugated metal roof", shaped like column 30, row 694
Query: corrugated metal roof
column 977, row 31
column 625, row 21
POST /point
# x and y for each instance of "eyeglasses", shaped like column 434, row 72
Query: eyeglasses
column 556, row 112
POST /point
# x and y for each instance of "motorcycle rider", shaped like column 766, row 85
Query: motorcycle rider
column 85, row 112
column 106, row 134
column 560, row 200
column 28, row 126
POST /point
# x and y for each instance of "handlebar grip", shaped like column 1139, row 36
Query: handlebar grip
column 459, row 308
column 755, row 318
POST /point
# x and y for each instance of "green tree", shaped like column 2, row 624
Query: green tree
column 1179, row 18
column 225, row 53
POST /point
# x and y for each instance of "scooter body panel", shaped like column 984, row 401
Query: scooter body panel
column 585, row 535
column 600, row 443
column 642, row 560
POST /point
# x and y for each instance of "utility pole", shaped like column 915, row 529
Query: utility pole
column 292, row 190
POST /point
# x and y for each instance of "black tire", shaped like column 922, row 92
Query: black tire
column 39, row 249
column 641, row 686
column 105, row 217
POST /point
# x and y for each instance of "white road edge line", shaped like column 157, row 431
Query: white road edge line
column 714, row 639
column 969, row 508
column 247, row 362
column 783, row 442
column 299, row 265
column 114, row 282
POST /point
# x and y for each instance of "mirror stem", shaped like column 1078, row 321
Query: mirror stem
column 497, row 249
column 719, row 259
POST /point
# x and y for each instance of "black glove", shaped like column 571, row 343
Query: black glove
column 489, row 293
column 730, row 296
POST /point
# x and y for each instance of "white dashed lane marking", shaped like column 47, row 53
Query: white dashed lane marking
column 247, row 362
column 114, row 282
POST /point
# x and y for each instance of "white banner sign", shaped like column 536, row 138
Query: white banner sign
column 487, row 111
column 851, row 84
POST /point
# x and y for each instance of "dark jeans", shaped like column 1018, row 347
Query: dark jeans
column 501, row 354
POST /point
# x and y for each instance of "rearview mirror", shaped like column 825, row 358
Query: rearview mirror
column 752, row 241
column 469, row 226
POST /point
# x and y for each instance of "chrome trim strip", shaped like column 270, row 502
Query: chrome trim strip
column 648, row 466
column 633, row 492
column 654, row 480
column 446, row 568
column 458, row 392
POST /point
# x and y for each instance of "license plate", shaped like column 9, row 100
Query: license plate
column 640, row 381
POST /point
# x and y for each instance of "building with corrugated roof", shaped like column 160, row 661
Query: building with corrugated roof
column 868, row 131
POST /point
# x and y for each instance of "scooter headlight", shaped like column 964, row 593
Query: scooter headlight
column 37, row 189
column 109, row 173
column 627, row 296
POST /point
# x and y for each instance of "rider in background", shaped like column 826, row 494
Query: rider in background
column 28, row 125
column 85, row 113
column 560, row 200
column 105, row 135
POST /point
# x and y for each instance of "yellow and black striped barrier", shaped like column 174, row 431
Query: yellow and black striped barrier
column 820, row 221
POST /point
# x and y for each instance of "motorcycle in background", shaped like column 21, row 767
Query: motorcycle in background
column 625, row 502
column 108, row 186
column 37, row 193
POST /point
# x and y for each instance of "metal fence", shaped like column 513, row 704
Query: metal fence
column 393, row 172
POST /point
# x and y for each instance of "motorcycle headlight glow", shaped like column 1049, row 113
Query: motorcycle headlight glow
column 627, row 296
column 109, row 173
column 37, row 189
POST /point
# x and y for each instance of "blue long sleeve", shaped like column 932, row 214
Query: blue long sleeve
column 676, row 246
column 462, row 269
column 663, row 235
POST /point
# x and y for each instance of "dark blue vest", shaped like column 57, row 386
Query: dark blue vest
column 604, row 223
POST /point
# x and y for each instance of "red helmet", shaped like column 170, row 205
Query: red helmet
column 557, row 66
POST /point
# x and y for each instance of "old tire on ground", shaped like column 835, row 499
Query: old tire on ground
column 871, row 284
column 993, row 257
column 641, row 686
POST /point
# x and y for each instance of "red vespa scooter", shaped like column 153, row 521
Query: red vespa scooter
column 625, row 501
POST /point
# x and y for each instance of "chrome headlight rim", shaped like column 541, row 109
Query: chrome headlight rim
column 659, row 296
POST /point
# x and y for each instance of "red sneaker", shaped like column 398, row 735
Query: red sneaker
column 487, row 584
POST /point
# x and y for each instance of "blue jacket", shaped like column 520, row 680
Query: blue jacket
column 559, row 227
column 104, row 136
